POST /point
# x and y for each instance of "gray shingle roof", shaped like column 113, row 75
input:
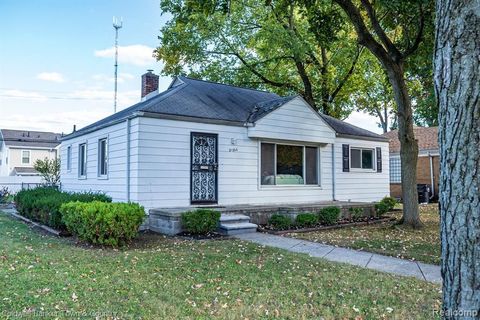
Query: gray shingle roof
column 347, row 129
column 201, row 99
column 26, row 138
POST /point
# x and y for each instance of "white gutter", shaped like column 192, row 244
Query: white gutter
column 333, row 172
column 127, row 173
column 432, row 179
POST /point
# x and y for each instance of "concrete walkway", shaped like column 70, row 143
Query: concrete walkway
column 423, row 271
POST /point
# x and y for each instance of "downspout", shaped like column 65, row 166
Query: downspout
column 127, row 173
column 432, row 179
column 333, row 172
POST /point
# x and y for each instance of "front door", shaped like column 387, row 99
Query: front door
column 204, row 178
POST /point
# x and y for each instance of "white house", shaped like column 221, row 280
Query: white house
column 204, row 143
column 19, row 149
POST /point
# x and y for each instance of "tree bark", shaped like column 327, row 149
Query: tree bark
column 408, row 145
column 457, row 87
column 392, row 61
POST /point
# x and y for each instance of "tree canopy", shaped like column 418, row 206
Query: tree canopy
column 295, row 47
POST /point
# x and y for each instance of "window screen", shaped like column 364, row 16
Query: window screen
column 102, row 157
column 82, row 160
column 268, row 164
column 311, row 165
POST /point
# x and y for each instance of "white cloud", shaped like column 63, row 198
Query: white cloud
column 365, row 121
column 20, row 94
column 51, row 76
column 137, row 54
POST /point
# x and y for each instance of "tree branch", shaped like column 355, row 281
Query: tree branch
column 418, row 38
column 347, row 75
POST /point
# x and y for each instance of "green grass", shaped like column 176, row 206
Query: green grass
column 159, row 277
column 389, row 239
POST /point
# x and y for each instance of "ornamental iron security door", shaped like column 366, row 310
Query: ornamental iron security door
column 204, row 167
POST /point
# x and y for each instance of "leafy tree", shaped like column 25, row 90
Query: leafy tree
column 457, row 86
column 393, row 31
column 49, row 170
column 274, row 45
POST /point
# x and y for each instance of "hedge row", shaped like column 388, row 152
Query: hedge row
column 43, row 204
column 112, row 224
column 326, row 216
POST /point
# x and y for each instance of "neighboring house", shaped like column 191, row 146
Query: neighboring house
column 19, row 149
column 205, row 143
column 428, row 165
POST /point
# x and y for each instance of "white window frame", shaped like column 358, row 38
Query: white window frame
column 84, row 176
column 99, row 160
column 374, row 159
column 69, row 158
column 29, row 157
column 289, row 186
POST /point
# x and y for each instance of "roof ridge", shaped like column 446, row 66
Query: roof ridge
column 228, row 85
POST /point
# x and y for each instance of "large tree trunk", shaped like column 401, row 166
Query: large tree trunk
column 408, row 145
column 457, row 85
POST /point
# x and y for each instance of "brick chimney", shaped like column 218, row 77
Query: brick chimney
column 149, row 83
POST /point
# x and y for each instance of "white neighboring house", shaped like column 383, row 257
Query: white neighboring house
column 204, row 143
column 19, row 149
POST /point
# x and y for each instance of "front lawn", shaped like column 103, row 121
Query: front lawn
column 160, row 277
column 388, row 238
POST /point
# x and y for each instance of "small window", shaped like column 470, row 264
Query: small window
column 102, row 157
column 25, row 157
column 69, row 158
column 82, row 160
column 361, row 158
column 395, row 170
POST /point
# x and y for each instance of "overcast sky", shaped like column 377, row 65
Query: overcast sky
column 57, row 57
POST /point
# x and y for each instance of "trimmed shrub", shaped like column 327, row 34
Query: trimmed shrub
column 280, row 221
column 306, row 219
column 112, row 224
column 356, row 213
column 43, row 204
column 200, row 221
column 385, row 205
column 329, row 215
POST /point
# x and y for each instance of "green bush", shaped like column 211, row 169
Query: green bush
column 200, row 221
column 43, row 204
column 306, row 219
column 104, row 223
column 280, row 221
column 385, row 205
column 356, row 213
column 329, row 215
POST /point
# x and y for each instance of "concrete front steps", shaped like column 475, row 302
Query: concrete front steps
column 232, row 224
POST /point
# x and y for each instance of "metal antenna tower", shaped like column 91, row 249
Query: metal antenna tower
column 117, row 24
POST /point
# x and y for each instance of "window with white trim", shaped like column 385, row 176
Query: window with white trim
column 395, row 170
column 25, row 156
column 284, row 164
column 82, row 160
column 362, row 158
column 102, row 157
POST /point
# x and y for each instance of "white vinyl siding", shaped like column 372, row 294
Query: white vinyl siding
column 294, row 121
column 163, row 175
column 115, row 186
column 359, row 184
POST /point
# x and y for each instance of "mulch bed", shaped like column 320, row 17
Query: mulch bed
column 340, row 224
column 208, row 236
